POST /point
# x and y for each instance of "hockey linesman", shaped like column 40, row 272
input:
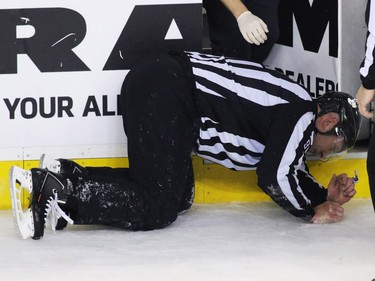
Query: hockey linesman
column 366, row 92
column 230, row 111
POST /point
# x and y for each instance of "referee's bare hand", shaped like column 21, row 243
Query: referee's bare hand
column 341, row 189
column 328, row 212
column 364, row 98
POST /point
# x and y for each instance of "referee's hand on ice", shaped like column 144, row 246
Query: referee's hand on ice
column 341, row 189
column 253, row 28
column 328, row 212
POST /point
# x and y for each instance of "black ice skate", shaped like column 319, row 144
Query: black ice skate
column 61, row 166
column 44, row 188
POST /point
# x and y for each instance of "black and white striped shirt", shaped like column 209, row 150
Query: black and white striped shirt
column 367, row 69
column 254, row 117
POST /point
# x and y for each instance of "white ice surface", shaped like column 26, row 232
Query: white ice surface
column 256, row 241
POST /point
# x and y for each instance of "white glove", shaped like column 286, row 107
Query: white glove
column 253, row 29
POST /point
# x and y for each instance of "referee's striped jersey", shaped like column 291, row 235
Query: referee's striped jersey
column 367, row 69
column 254, row 117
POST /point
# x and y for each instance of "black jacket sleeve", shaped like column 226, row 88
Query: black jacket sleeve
column 282, row 172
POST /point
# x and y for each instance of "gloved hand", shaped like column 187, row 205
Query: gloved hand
column 253, row 29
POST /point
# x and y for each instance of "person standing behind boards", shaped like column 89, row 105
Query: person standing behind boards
column 242, row 28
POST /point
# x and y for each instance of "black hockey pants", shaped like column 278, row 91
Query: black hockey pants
column 371, row 166
column 159, row 117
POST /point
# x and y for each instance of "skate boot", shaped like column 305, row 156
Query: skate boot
column 61, row 166
column 47, row 191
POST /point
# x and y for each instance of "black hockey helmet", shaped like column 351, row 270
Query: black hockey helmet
column 350, row 119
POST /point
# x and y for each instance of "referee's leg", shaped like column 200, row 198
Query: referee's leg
column 160, row 135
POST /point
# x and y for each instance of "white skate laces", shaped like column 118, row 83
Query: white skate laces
column 53, row 212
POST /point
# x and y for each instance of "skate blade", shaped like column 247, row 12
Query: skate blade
column 49, row 163
column 21, row 179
